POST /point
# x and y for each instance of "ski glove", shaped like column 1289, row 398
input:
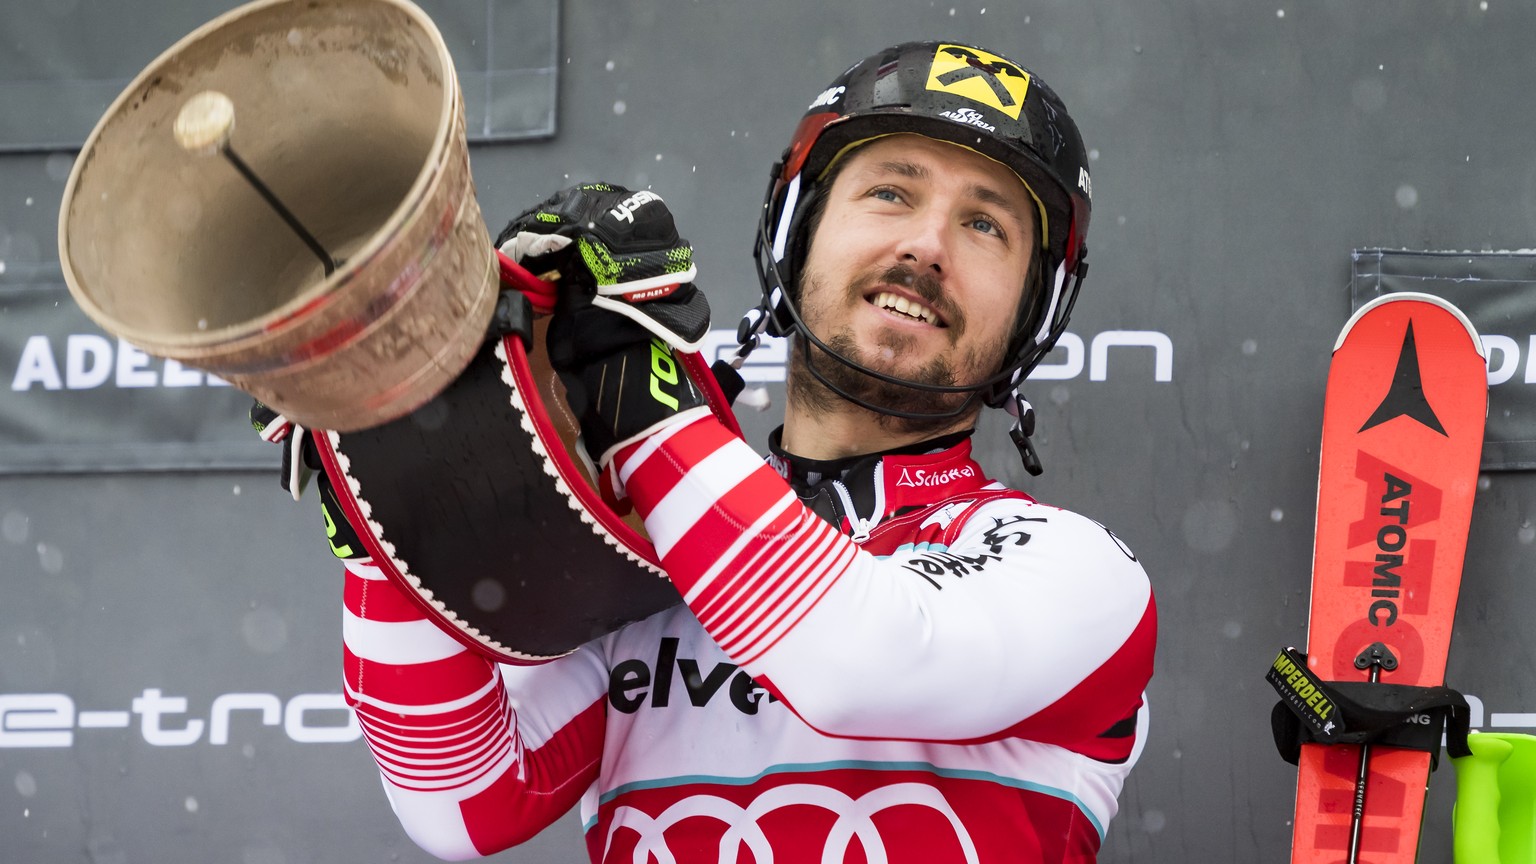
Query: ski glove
column 628, row 395
column 626, row 301
column 621, row 266
column 301, row 461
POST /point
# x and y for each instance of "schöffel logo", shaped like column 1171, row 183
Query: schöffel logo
column 923, row 478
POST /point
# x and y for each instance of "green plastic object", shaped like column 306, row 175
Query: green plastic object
column 1494, row 820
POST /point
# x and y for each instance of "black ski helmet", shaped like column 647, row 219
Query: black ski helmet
column 950, row 92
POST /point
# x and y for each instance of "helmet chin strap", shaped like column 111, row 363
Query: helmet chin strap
column 780, row 304
column 754, row 324
column 749, row 335
column 1001, row 390
column 1024, row 427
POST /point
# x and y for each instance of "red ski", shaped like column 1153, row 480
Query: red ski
column 1402, row 435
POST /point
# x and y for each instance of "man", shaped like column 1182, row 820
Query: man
column 884, row 656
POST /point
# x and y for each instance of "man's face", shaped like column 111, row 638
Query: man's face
column 917, row 269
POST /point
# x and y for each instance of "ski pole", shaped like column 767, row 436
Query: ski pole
column 1374, row 658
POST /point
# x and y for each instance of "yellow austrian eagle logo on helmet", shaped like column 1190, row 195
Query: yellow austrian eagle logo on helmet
column 979, row 76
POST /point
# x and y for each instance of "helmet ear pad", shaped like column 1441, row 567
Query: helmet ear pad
column 797, row 247
column 1025, row 326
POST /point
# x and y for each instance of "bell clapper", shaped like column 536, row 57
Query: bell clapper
column 203, row 127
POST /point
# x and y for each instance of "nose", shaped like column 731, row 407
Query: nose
column 924, row 244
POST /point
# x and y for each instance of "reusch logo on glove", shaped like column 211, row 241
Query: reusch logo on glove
column 663, row 368
column 625, row 210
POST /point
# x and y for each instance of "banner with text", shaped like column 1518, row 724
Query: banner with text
column 64, row 63
column 76, row 399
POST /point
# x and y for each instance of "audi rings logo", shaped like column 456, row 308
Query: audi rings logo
column 855, row 819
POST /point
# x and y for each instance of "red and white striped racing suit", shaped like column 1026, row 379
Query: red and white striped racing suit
column 954, row 676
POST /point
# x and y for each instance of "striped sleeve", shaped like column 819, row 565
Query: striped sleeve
column 464, row 778
column 1034, row 620
column 748, row 558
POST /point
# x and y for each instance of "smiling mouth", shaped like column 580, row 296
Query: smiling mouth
column 906, row 308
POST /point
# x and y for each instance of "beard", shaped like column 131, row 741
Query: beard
column 843, row 383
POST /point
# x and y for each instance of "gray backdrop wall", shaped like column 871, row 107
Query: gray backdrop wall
column 1240, row 151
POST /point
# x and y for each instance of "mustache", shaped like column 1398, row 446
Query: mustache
column 925, row 285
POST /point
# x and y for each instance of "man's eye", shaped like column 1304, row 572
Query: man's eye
column 986, row 226
column 884, row 194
